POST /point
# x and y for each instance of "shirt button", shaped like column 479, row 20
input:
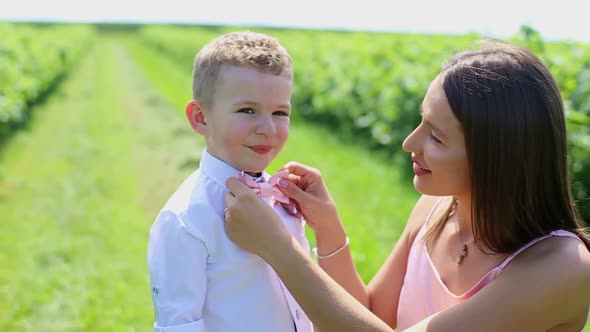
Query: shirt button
column 155, row 290
column 297, row 313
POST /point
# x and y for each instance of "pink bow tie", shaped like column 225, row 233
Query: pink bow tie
column 267, row 189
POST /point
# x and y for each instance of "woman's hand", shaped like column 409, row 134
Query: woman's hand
column 250, row 222
column 307, row 188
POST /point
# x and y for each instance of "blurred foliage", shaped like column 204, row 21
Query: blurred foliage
column 32, row 59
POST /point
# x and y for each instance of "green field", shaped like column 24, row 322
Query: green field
column 82, row 180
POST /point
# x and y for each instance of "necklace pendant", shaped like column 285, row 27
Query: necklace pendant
column 462, row 253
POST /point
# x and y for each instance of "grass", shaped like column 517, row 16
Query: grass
column 80, row 189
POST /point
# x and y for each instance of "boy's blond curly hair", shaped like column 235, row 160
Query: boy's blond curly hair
column 241, row 48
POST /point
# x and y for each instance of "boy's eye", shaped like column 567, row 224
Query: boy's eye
column 281, row 113
column 247, row 110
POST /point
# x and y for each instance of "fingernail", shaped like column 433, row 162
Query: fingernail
column 283, row 183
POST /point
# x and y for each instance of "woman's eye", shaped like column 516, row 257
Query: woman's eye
column 247, row 110
column 432, row 137
column 281, row 113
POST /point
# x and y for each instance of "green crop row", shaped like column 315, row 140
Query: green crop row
column 32, row 59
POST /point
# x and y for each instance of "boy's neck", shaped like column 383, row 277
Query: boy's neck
column 254, row 174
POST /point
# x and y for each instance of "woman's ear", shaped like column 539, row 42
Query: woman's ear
column 196, row 117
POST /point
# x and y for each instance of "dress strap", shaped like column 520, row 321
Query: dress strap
column 526, row 246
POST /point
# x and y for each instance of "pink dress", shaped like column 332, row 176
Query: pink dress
column 424, row 293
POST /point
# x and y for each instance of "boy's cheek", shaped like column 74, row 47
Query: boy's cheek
column 284, row 128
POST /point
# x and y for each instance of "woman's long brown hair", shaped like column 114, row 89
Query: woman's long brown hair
column 512, row 115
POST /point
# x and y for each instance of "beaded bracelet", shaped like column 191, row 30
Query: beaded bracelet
column 315, row 250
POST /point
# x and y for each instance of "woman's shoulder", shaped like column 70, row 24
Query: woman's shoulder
column 563, row 246
column 563, row 258
column 553, row 275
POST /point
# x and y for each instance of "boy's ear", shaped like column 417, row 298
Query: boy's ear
column 196, row 117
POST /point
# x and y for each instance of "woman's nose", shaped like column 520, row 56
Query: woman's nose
column 411, row 144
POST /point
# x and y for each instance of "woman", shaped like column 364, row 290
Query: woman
column 494, row 244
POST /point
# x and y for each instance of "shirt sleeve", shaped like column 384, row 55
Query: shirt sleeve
column 177, row 261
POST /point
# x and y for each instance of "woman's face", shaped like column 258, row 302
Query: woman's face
column 438, row 149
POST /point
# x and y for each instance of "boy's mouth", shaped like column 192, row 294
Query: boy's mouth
column 261, row 149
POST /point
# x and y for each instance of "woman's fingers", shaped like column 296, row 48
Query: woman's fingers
column 237, row 188
column 300, row 169
column 238, row 194
column 293, row 190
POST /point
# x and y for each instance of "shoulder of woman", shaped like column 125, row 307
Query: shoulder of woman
column 556, row 258
column 550, row 277
column 557, row 248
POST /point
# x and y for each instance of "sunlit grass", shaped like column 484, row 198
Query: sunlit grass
column 81, row 189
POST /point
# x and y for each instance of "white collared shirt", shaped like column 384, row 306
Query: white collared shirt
column 200, row 279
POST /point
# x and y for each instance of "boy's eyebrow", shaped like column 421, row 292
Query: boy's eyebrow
column 252, row 103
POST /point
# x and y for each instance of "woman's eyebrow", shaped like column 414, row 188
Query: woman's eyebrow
column 432, row 126
column 435, row 129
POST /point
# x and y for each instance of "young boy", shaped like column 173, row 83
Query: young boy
column 201, row 280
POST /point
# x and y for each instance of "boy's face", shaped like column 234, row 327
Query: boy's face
column 247, row 123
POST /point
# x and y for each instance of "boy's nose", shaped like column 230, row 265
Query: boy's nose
column 266, row 126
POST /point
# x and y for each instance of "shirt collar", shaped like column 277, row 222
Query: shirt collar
column 218, row 170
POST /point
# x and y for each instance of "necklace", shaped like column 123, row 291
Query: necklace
column 462, row 253
column 464, row 248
